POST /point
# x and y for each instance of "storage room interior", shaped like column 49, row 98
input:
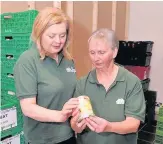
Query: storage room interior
column 135, row 22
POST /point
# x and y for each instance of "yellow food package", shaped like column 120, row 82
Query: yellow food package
column 85, row 107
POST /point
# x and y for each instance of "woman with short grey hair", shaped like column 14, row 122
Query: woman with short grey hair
column 107, row 34
column 116, row 95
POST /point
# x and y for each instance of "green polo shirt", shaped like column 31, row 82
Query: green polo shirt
column 53, row 84
column 123, row 98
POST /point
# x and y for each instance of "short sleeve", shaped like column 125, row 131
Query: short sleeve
column 135, row 102
column 25, row 79
column 78, row 89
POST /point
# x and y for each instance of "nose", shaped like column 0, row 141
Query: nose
column 96, row 57
column 57, row 39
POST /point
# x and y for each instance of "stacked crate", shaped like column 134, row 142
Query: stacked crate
column 16, row 29
column 159, row 130
column 135, row 56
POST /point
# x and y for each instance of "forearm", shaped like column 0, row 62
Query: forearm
column 123, row 127
column 42, row 114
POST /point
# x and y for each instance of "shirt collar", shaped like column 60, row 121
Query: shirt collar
column 60, row 57
column 119, row 78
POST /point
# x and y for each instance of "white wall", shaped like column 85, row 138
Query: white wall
column 146, row 23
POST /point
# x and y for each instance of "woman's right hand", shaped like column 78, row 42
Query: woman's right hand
column 78, row 127
column 68, row 108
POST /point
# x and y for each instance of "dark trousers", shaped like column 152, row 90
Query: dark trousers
column 72, row 140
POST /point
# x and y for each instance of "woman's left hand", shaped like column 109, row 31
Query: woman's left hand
column 98, row 124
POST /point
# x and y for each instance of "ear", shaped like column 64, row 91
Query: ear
column 115, row 52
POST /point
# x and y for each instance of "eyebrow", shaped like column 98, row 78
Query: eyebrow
column 59, row 33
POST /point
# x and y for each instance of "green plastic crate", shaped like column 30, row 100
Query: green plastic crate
column 8, row 61
column 8, row 85
column 158, row 142
column 7, row 72
column 161, row 111
column 15, row 42
column 7, row 82
column 7, row 77
column 8, row 95
column 160, row 118
column 159, row 124
column 17, row 138
column 8, row 56
column 7, row 66
column 159, row 138
column 159, row 132
column 10, row 105
column 19, row 22
column 160, row 128
column 14, row 51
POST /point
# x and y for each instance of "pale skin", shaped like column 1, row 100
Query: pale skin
column 52, row 40
column 102, row 57
column 78, row 127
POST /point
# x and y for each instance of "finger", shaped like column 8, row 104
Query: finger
column 75, row 118
column 81, row 123
column 94, row 119
column 75, row 111
column 71, row 103
column 92, row 123
column 90, row 126
column 68, row 115
column 73, row 100
column 83, row 126
column 70, row 106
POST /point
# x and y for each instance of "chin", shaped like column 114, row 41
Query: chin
column 99, row 67
column 56, row 51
